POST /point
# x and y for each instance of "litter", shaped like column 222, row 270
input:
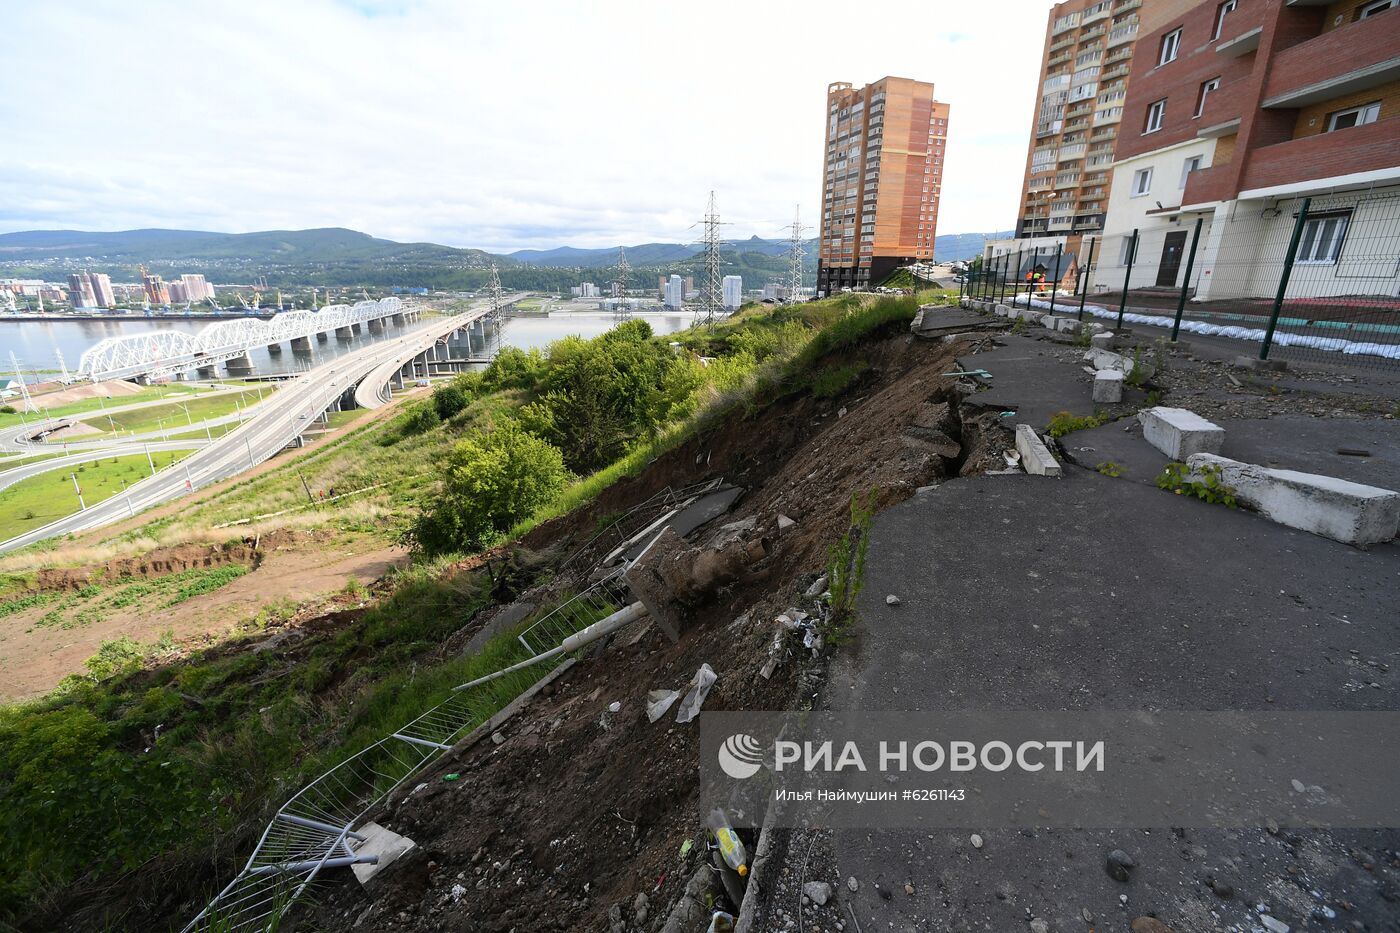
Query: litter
column 730, row 846
column 659, row 701
column 451, row 777
column 700, row 686
column 817, row 588
column 982, row 373
column 686, row 847
column 721, row 922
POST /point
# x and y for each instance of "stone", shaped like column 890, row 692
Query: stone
column 1179, row 433
column 1149, row 925
column 1040, row 926
column 1103, row 340
column 1108, row 386
column 908, row 888
column 1035, row 456
column 1274, row 924
column 853, row 884
column 784, row 523
column 640, row 908
column 1119, row 865
column 976, row 841
column 819, row 891
column 892, row 600
column 1323, row 505
column 1254, row 363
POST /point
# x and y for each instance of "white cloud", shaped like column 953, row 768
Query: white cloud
column 501, row 126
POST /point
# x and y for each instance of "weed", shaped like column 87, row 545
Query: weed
column 22, row 603
column 846, row 568
column 1109, row 468
column 1206, row 484
column 834, row 380
column 1062, row 423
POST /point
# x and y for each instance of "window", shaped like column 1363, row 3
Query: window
column 1353, row 116
column 1224, row 10
column 1171, row 44
column 1322, row 237
column 1125, row 251
column 1142, row 182
column 1206, row 87
column 1155, row 113
column 1192, row 164
column 1367, row 10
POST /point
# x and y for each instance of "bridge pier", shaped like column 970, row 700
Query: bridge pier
column 397, row 319
column 356, row 328
column 240, row 365
column 207, row 372
column 343, row 333
column 376, row 326
column 274, row 348
column 301, row 343
column 323, row 336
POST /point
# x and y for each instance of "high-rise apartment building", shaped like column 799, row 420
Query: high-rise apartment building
column 157, row 293
column 732, row 289
column 102, row 289
column 675, row 293
column 80, row 287
column 882, row 180
column 1079, row 105
column 196, row 288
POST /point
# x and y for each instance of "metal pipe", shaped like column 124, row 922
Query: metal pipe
column 1132, row 254
column 1283, row 279
column 1055, row 282
column 1186, row 279
column 606, row 626
column 1088, row 267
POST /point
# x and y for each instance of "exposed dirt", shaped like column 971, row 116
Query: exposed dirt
column 67, row 395
column 577, row 816
column 33, row 658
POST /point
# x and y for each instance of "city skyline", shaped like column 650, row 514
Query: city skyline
column 383, row 118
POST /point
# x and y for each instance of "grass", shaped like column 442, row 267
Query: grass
column 41, row 499
column 177, row 415
column 149, row 394
column 9, row 464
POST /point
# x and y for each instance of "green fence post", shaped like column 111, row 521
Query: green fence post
column 1088, row 267
column 1186, row 279
column 1283, row 279
column 1132, row 254
column 1055, row 282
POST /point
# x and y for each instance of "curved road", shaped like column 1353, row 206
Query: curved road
column 279, row 420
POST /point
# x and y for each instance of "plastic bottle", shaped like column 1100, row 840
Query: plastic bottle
column 730, row 846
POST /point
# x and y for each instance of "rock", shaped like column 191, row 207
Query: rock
column 1040, row 926
column 1149, row 925
column 614, row 707
column 1298, row 785
column 639, row 908
column 497, row 738
column 784, row 523
column 976, row 841
column 1119, row 865
column 853, row 884
column 1086, row 914
column 1221, row 889
column 615, row 913
column 892, row 600
column 908, row 888
column 818, row 891
column 1273, row 924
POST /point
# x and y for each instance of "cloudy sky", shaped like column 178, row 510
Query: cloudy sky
column 499, row 125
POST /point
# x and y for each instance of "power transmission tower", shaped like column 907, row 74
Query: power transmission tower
column 795, row 257
column 623, row 311
column 493, row 288
column 711, row 289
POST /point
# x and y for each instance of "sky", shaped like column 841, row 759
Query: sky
column 499, row 126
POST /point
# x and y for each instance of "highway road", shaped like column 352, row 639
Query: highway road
column 278, row 420
column 16, row 474
column 370, row 393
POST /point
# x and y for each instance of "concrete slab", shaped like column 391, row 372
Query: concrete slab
column 385, row 843
column 1108, row 386
column 1102, row 340
column 1179, row 432
column 1035, row 456
column 1322, row 505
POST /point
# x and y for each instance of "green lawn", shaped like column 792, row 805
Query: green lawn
column 173, row 416
column 50, row 496
column 174, row 390
column 215, row 430
column 9, row 463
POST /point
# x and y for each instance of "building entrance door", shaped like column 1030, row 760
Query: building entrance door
column 1172, row 249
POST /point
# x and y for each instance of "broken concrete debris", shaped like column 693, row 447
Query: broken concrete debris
column 818, row 892
column 1179, row 432
column 381, row 843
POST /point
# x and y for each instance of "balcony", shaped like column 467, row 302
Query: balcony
column 1072, row 152
column 1364, row 54
column 1127, row 5
column 1242, row 44
column 1366, row 148
column 1120, row 34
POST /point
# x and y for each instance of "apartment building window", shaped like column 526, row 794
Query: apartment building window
column 1222, row 11
column 1171, row 44
column 1125, row 251
column 1322, row 237
column 1371, row 9
column 1192, row 164
column 1206, row 87
column 1155, row 112
column 1142, row 182
column 1353, row 116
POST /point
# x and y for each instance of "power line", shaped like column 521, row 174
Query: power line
column 711, row 289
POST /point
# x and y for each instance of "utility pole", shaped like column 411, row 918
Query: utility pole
column 149, row 461
column 711, row 297
column 62, row 366
column 795, row 257
column 23, row 387
column 624, row 269
column 82, row 506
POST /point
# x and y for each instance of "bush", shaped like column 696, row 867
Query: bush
column 513, row 368
column 449, row 399
column 8, row 410
column 490, row 482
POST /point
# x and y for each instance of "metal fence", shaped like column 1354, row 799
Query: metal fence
column 1307, row 279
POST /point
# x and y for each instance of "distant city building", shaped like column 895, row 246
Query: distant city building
column 616, row 304
column 102, row 289
column 674, row 293
column 156, row 291
column 732, row 288
column 196, row 288
column 80, row 287
column 586, row 290
column 773, row 291
column 882, row 180
column 178, row 292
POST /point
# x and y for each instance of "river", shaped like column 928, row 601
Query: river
column 36, row 344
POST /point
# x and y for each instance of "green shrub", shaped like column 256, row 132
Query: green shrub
column 833, row 380
column 1207, row 483
column 1062, row 422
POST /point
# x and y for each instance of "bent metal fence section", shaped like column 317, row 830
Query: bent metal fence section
column 315, row 829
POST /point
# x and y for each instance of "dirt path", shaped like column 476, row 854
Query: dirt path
column 33, row 660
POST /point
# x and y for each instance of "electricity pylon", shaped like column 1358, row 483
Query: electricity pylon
column 711, row 289
column 622, row 312
column 493, row 289
column 795, row 257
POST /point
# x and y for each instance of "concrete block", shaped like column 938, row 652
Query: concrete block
column 1035, row 456
column 1108, row 386
column 1103, row 340
column 648, row 578
column 1068, row 325
column 1322, row 505
column 1101, row 358
column 1093, row 327
column 1179, row 433
column 385, row 843
column 1254, row 363
column 1004, row 310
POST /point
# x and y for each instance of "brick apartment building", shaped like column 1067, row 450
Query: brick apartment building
column 882, row 181
column 1235, row 112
